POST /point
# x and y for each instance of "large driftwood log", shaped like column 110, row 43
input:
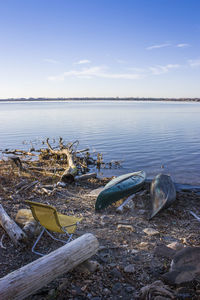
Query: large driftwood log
column 12, row 229
column 27, row 280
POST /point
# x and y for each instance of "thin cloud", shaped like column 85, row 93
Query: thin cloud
column 103, row 72
column 194, row 63
column 157, row 70
column 50, row 60
column 83, row 61
column 158, row 46
column 182, row 45
column 98, row 71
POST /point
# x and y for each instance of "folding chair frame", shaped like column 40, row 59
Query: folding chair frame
column 45, row 230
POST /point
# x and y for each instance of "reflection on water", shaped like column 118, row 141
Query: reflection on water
column 146, row 135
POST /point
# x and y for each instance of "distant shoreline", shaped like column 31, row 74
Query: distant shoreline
column 116, row 99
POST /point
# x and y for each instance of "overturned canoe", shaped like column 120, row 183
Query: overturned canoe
column 163, row 193
column 122, row 186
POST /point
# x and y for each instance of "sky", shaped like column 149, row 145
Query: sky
column 99, row 48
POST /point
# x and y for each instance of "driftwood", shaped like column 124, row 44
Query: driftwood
column 64, row 162
column 27, row 187
column 18, row 152
column 30, row 278
column 1, row 242
column 86, row 176
column 12, row 229
column 71, row 171
column 127, row 203
column 194, row 215
column 17, row 162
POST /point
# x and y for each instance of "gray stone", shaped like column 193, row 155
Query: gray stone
column 129, row 269
column 116, row 273
column 176, row 246
column 106, row 291
column 164, row 251
column 134, row 251
column 151, row 231
column 117, row 287
column 129, row 289
column 185, row 266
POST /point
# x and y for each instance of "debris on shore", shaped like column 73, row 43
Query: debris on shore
column 134, row 254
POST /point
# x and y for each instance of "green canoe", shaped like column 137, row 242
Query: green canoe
column 122, row 186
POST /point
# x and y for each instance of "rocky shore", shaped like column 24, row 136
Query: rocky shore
column 134, row 252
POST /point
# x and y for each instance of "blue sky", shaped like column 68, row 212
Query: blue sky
column 99, row 48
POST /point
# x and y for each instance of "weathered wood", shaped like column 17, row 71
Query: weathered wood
column 86, row 176
column 194, row 215
column 71, row 170
column 126, row 203
column 1, row 242
column 27, row 187
column 28, row 279
column 12, row 229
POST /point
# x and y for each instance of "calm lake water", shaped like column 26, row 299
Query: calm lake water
column 145, row 135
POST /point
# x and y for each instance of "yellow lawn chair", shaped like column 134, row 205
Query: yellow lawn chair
column 48, row 217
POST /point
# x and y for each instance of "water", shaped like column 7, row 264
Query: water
column 149, row 136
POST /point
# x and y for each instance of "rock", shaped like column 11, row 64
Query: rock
column 156, row 291
column 88, row 266
column 129, row 289
column 143, row 245
column 24, row 216
column 184, row 293
column 117, row 287
column 106, row 291
column 164, row 251
column 151, row 231
column 116, row 273
column 92, row 265
column 175, row 246
column 185, row 266
column 129, row 269
column 124, row 226
column 52, row 294
column 134, row 251
column 104, row 219
column 169, row 239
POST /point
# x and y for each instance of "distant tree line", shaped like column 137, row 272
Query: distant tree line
column 103, row 98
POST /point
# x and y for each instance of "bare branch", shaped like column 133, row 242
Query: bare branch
column 1, row 242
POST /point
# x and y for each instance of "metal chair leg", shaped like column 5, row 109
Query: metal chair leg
column 45, row 230
column 59, row 240
column 39, row 237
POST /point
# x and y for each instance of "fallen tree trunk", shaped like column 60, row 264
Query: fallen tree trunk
column 12, row 229
column 27, row 280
